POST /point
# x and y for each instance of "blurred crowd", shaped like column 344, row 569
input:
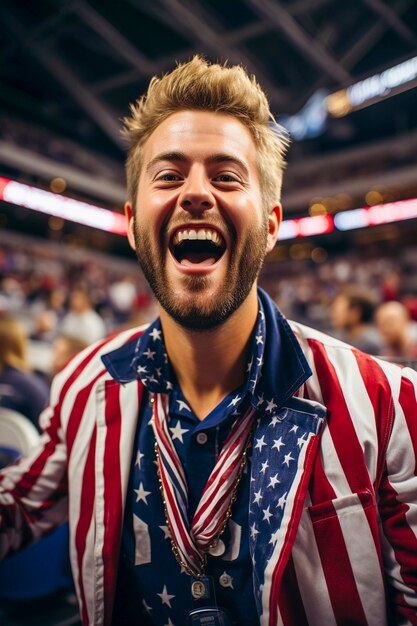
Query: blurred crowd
column 55, row 301
column 66, row 299
column 370, row 302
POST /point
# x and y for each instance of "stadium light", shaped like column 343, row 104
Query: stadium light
column 61, row 206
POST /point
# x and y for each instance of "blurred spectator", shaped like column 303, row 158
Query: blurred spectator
column 391, row 284
column 393, row 322
column 82, row 321
column 20, row 389
column 351, row 314
column 63, row 349
column 122, row 296
column 56, row 303
column 45, row 324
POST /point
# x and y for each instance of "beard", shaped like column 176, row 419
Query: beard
column 203, row 313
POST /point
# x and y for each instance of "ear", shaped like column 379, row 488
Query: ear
column 129, row 225
column 274, row 221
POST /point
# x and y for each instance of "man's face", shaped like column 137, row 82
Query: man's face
column 198, row 227
column 342, row 315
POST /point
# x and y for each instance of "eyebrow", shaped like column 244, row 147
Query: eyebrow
column 167, row 156
column 180, row 157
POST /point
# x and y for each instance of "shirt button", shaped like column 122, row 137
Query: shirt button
column 202, row 438
column 226, row 580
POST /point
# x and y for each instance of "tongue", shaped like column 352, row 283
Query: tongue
column 196, row 258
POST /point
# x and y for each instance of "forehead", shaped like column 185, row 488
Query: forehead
column 200, row 134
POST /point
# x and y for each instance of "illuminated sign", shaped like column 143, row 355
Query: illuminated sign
column 376, row 87
column 378, row 214
column 61, row 206
column 306, row 227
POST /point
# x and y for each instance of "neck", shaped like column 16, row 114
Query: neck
column 210, row 364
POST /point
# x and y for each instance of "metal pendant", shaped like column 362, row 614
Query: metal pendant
column 201, row 589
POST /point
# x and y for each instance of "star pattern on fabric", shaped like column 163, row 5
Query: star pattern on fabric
column 166, row 531
column 258, row 497
column 270, row 406
column 274, row 420
column 155, row 334
column 260, row 443
column 139, row 457
column 177, row 432
column 147, row 608
column 166, row 597
column 183, row 406
column 253, row 531
column 287, row 459
column 141, row 494
column 260, row 400
column 282, row 501
column 264, row 467
column 267, row 513
column 278, row 443
column 274, row 480
column 235, row 401
column 301, row 441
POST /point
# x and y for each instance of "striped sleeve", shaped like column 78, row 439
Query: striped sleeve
column 398, row 501
column 33, row 493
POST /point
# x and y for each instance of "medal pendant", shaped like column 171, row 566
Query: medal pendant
column 208, row 616
column 202, row 590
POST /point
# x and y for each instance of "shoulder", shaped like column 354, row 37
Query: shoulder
column 87, row 368
column 340, row 370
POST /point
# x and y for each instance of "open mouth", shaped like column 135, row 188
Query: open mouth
column 197, row 246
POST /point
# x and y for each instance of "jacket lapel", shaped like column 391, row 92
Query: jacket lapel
column 284, row 450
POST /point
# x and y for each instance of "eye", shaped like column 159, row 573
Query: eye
column 226, row 178
column 168, row 177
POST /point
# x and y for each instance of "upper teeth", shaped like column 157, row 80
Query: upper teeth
column 201, row 234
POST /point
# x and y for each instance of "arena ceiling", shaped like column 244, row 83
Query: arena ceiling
column 69, row 69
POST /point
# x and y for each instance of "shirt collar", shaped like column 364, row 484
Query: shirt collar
column 277, row 366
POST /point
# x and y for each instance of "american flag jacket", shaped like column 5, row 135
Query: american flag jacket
column 346, row 549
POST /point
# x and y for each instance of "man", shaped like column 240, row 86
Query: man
column 220, row 465
column 82, row 321
column 352, row 314
column 394, row 324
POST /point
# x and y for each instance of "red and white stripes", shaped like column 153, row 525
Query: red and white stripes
column 193, row 540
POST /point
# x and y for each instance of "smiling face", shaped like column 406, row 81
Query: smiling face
column 198, row 228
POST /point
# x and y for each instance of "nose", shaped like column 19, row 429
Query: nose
column 196, row 193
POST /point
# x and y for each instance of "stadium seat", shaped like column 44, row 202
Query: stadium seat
column 42, row 568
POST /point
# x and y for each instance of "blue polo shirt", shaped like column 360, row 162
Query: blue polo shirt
column 154, row 575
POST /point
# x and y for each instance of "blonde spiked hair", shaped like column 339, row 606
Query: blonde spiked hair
column 199, row 85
